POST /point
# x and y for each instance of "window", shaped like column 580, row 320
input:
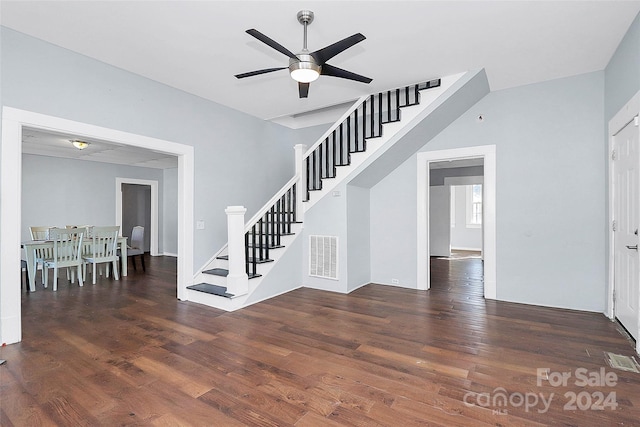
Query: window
column 474, row 205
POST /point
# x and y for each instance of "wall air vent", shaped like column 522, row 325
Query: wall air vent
column 323, row 257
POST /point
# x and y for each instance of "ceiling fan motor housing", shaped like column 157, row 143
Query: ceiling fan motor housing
column 304, row 62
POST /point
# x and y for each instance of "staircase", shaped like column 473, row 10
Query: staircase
column 236, row 270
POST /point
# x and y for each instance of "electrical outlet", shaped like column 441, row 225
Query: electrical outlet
column 395, row 281
column 199, row 225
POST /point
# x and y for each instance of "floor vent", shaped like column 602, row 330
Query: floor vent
column 624, row 363
column 323, row 257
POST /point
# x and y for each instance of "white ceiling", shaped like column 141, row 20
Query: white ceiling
column 59, row 145
column 198, row 46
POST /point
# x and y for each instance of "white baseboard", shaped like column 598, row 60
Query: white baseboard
column 170, row 254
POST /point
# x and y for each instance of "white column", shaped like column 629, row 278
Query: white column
column 301, row 188
column 237, row 281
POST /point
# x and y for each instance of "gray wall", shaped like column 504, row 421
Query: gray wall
column 550, row 194
column 61, row 192
column 439, row 221
column 239, row 160
column 622, row 75
column 358, row 247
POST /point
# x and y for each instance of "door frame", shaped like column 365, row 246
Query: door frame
column 623, row 117
column 488, row 154
column 153, row 236
column 13, row 120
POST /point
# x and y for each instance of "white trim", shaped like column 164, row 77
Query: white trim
column 488, row 153
column 13, row 120
column 153, row 241
column 626, row 114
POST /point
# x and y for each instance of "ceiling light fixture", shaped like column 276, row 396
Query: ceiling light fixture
column 304, row 70
column 80, row 145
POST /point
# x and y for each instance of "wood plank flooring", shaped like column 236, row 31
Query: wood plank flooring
column 128, row 353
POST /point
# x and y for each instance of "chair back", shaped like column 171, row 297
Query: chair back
column 67, row 245
column 137, row 237
column 105, row 241
column 40, row 232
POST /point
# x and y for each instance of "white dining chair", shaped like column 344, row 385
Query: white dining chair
column 104, row 245
column 41, row 254
column 67, row 252
column 137, row 245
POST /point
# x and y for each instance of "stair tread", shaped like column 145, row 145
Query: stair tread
column 211, row 289
column 217, row 272
column 259, row 261
column 269, row 234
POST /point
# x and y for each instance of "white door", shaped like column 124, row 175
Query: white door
column 627, row 218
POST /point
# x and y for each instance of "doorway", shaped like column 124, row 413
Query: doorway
column 488, row 155
column 13, row 121
column 624, row 209
column 137, row 201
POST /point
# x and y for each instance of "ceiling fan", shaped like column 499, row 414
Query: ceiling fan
column 306, row 66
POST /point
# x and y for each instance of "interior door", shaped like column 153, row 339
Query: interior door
column 627, row 218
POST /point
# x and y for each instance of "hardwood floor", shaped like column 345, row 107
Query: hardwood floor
column 128, row 353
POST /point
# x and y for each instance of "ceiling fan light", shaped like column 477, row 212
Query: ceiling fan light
column 305, row 70
column 303, row 75
column 80, row 145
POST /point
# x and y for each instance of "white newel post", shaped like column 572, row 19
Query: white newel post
column 237, row 280
column 301, row 171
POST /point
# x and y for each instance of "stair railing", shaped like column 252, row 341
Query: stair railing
column 363, row 120
column 349, row 134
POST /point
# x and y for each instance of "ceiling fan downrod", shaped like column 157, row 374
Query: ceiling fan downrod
column 305, row 17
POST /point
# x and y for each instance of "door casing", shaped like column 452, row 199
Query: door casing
column 488, row 153
column 626, row 114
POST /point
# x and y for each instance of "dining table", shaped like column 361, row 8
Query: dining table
column 30, row 247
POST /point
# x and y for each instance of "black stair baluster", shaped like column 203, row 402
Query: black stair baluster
column 373, row 114
column 380, row 114
column 364, row 126
column 285, row 214
column 260, row 241
column 397, row 104
column 321, row 155
column 389, row 106
column 253, row 252
column 333, row 148
column 349, row 139
column 246, row 251
column 341, row 144
column 295, row 204
column 326, row 158
column 287, row 198
column 406, row 96
column 307, row 183
column 265, row 230
column 315, row 172
column 355, row 130
column 272, row 230
column 417, row 95
column 364, row 120
column 279, row 214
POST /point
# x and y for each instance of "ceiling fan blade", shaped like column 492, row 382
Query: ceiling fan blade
column 258, row 72
column 330, row 70
column 303, row 89
column 272, row 43
column 326, row 53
